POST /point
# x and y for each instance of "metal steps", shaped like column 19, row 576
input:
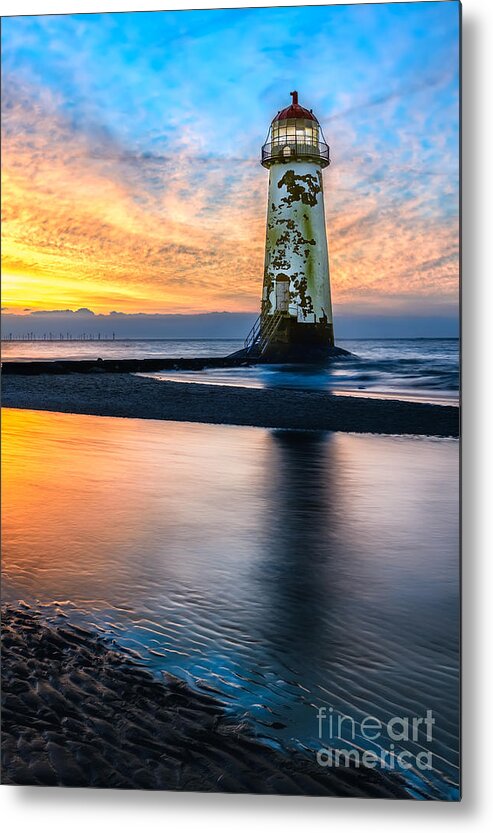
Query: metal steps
column 261, row 334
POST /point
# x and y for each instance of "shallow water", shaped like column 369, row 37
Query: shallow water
column 423, row 369
column 415, row 369
column 286, row 570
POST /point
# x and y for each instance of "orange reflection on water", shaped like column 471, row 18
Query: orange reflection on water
column 95, row 507
column 84, row 494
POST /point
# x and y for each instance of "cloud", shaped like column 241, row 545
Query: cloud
column 145, row 192
column 96, row 226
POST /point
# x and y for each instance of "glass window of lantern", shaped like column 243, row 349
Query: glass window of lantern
column 278, row 132
column 301, row 131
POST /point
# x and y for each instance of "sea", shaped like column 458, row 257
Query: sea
column 417, row 369
column 283, row 571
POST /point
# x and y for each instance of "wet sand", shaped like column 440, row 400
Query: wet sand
column 127, row 395
column 78, row 712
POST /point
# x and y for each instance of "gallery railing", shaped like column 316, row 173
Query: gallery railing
column 292, row 150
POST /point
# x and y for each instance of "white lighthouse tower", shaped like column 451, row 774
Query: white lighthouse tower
column 296, row 317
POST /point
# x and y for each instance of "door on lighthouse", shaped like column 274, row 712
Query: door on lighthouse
column 282, row 294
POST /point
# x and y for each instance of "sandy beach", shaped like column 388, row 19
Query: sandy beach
column 127, row 395
column 77, row 712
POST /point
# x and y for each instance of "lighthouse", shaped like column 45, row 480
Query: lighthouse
column 295, row 323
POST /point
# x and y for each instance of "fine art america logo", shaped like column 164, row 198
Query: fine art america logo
column 391, row 738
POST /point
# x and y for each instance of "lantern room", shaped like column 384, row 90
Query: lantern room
column 295, row 134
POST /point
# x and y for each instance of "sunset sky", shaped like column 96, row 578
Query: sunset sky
column 131, row 179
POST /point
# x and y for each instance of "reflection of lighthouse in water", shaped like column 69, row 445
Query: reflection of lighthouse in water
column 296, row 303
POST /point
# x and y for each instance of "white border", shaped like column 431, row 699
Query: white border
column 45, row 809
column 17, row 7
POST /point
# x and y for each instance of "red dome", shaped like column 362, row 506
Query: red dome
column 295, row 111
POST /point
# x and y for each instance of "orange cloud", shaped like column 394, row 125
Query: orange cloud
column 87, row 224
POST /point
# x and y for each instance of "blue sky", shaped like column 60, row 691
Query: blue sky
column 144, row 75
